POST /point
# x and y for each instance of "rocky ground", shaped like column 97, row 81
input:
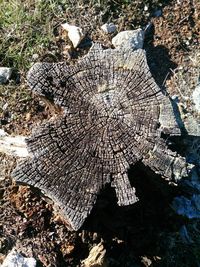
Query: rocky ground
column 150, row 233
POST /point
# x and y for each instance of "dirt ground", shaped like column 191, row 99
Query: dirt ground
column 148, row 233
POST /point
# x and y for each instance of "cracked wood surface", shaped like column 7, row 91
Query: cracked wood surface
column 114, row 114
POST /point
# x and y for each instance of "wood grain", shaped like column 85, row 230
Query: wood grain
column 114, row 114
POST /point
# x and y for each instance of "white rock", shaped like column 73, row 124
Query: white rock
column 5, row 106
column 14, row 259
column 196, row 98
column 96, row 257
column 35, row 57
column 129, row 39
column 5, row 74
column 75, row 33
column 13, row 145
column 109, row 27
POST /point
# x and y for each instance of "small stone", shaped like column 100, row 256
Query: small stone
column 187, row 42
column 96, row 257
column 75, row 33
column 196, row 98
column 129, row 39
column 5, row 106
column 14, row 259
column 35, row 57
column 28, row 116
column 146, row 261
column 67, row 49
column 109, row 27
column 5, row 74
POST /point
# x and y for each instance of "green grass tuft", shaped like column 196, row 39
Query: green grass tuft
column 26, row 28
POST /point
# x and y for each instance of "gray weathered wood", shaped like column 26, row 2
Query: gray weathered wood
column 114, row 114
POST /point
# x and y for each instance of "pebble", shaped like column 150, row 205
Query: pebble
column 5, row 106
column 75, row 33
column 96, row 257
column 196, row 98
column 129, row 39
column 5, row 74
column 109, row 27
column 146, row 261
column 28, row 116
column 35, row 57
column 15, row 259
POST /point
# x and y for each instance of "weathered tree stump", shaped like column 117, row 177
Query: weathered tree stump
column 114, row 114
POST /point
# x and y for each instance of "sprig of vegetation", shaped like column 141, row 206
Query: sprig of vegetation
column 26, row 28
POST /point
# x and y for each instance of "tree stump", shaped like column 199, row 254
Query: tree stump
column 114, row 114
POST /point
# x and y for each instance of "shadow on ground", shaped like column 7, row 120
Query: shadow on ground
column 135, row 230
column 158, row 59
